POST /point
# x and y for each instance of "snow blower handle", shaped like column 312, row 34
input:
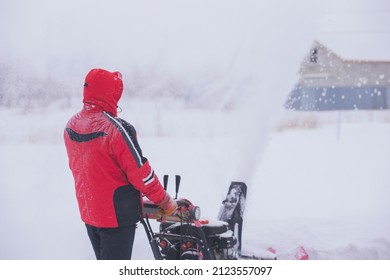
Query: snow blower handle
column 185, row 211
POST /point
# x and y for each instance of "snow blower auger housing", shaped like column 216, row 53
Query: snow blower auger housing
column 183, row 236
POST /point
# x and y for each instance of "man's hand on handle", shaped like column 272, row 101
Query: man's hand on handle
column 167, row 206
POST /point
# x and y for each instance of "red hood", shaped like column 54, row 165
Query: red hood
column 104, row 89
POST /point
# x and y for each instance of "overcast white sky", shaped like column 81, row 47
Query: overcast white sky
column 358, row 29
column 120, row 31
column 187, row 32
column 55, row 36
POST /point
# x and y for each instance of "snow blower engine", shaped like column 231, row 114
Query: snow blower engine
column 184, row 236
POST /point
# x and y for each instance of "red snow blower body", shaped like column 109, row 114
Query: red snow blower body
column 184, row 235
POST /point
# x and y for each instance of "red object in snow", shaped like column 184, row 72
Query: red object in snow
column 271, row 250
column 301, row 254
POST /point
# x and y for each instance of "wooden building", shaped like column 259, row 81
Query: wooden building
column 330, row 82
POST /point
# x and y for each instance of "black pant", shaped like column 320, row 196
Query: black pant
column 112, row 243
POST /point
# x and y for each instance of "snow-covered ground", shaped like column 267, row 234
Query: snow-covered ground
column 325, row 188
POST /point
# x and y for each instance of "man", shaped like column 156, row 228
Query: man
column 109, row 170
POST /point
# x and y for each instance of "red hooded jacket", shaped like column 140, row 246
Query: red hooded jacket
column 108, row 167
